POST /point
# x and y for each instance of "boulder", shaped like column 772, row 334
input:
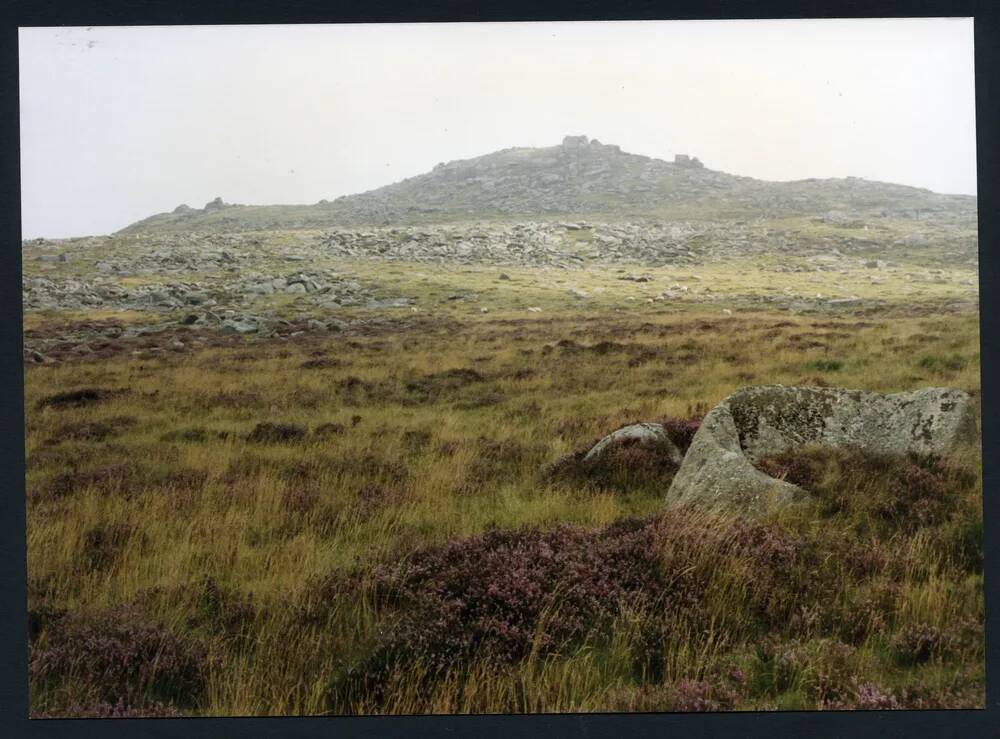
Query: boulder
column 755, row 422
column 644, row 434
column 239, row 327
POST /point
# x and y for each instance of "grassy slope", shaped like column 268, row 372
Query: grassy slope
column 269, row 519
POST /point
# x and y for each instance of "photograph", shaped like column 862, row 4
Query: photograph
column 562, row 367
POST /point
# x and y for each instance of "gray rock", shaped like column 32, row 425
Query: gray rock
column 646, row 434
column 238, row 327
column 719, row 468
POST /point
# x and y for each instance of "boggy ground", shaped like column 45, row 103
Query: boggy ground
column 390, row 519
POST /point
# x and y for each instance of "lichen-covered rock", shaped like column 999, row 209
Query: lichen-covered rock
column 755, row 422
column 644, row 434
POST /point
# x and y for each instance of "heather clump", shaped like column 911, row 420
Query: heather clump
column 629, row 464
column 682, row 430
column 919, row 643
column 718, row 690
column 501, row 594
column 879, row 492
column 120, row 709
column 123, row 477
column 78, row 398
column 865, row 696
column 821, row 669
column 625, row 466
column 92, row 431
column 118, row 655
column 701, row 696
column 504, row 595
column 103, row 544
column 276, row 433
column 223, row 611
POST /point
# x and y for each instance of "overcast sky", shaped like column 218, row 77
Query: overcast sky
column 121, row 123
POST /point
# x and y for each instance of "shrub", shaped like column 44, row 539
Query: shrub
column 821, row 668
column 825, row 365
column 299, row 499
column 92, row 430
column 41, row 617
column 682, row 430
column 195, row 435
column 223, row 611
column 802, row 468
column 276, row 433
column 78, row 398
column 942, row 364
column 115, row 477
column 103, row 543
column 628, row 464
column 433, row 386
column 870, row 697
column 894, row 493
column 918, row 643
column 328, row 429
column 113, row 710
column 701, row 696
column 503, row 595
column 865, row 697
column 321, row 363
column 119, row 656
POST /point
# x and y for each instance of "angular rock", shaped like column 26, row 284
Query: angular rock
column 719, row 468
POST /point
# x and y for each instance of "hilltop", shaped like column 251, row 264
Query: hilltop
column 579, row 179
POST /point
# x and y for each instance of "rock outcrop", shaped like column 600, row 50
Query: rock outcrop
column 719, row 468
column 684, row 160
column 578, row 178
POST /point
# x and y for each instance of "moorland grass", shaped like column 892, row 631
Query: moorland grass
column 306, row 527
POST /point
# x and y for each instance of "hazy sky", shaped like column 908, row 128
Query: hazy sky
column 121, row 123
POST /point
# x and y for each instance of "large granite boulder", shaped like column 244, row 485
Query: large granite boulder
column 719, row 467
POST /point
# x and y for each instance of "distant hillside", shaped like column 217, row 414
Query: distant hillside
column 579, row 179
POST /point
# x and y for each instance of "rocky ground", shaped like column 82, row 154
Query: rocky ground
column 164, row 290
